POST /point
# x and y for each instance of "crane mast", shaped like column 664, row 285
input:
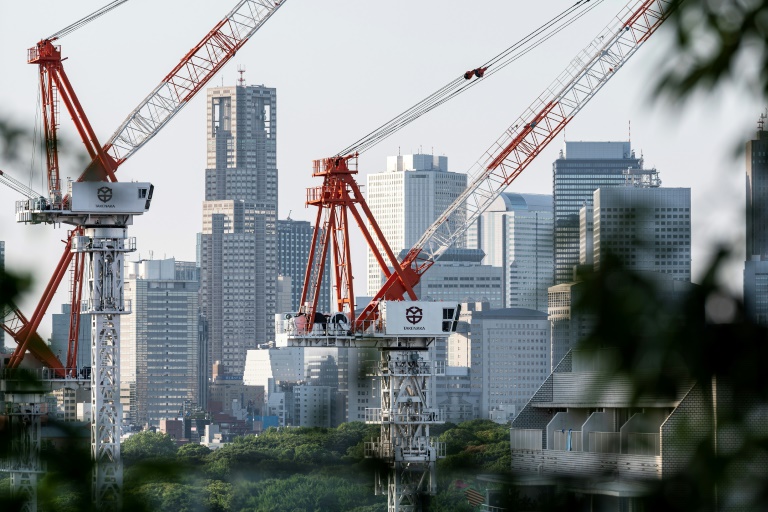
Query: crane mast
column 539, row 124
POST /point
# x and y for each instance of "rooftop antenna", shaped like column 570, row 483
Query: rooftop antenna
column 289, row 214
column 761, row 121
column 629, row 130
column 241, row 80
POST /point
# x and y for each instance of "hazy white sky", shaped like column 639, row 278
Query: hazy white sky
column 341, row 68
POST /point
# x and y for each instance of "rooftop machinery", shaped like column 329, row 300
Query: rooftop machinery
column 411, row 473
column 100, row 211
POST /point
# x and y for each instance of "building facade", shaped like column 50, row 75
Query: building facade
column 508, row 355
column 294, row 241
column 159, row 346
column 238, row 244
column 756, row 265
column 580, row 170
column 459, row 276
column 60, row 336
column 515, row 233
column 567, row 323
column 649, row 229
column 406, row 199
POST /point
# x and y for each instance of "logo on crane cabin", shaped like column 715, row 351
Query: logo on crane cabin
column 414, row 315
column 104, row 194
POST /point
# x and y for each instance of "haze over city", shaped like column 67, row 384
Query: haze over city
column 340, row 71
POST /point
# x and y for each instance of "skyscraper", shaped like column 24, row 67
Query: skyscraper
column 294, row 240
column 576, row 174
column 756, row 265
column 406, row 199
column 159, row 347
column 515, row 233
column 238, row 245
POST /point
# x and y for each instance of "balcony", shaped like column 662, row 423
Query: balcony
column 640, row 458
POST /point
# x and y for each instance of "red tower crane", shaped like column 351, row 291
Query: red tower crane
column 187, row 78
column 495, row 170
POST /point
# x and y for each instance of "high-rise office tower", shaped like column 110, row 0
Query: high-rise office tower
column 756, row 265
column 294, row 240
column 515, row 233
column 159, row 347
column 238, row 245
column 406, row 199
column 576, row 174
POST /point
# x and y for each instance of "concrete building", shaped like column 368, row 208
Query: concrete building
column 756, row 265
column 159, row 346
column 649, row 229
column 313, row 406
column 568, row 325
column 508, row 353
column 283, row 301
column 459, row 276
column 287, row 373
column 515, row 233
column 238, row 244
column 273, row 364
column 406, row 199
column 580, row 170
column 294, row 241
column 614, row 439
column 363, row 391
column 756, row 289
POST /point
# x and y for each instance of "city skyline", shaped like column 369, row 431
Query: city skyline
column 664, row 134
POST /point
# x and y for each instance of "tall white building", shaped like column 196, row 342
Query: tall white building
column 406, row 199
column 238, row 244
column 516, row 234
column 159, row 345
